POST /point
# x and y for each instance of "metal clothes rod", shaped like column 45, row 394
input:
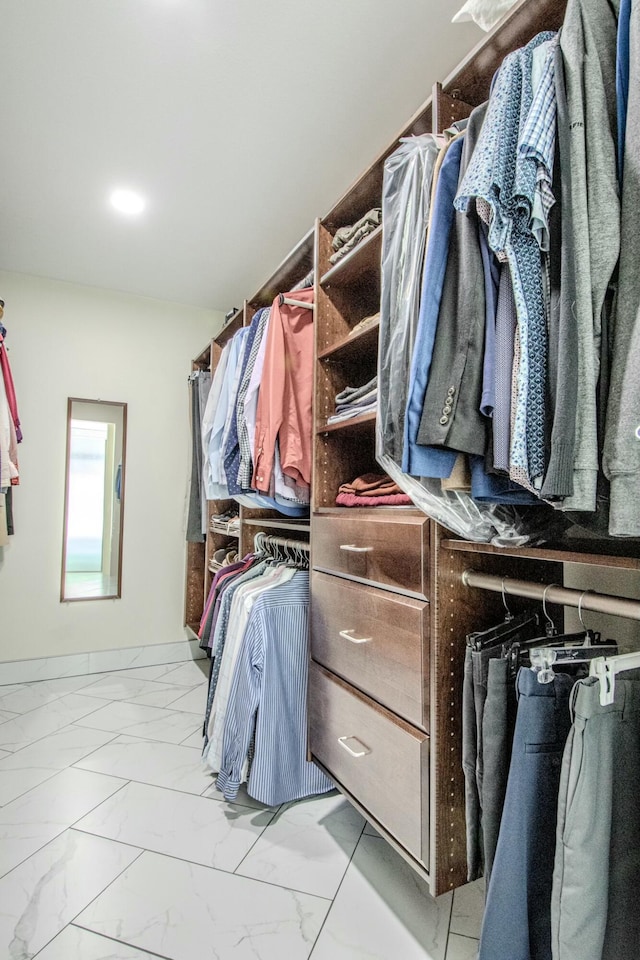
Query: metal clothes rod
column 295, row 303
column 284, row 542
column 566, row 596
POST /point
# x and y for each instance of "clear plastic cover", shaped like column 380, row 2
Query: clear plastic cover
column 407, row 182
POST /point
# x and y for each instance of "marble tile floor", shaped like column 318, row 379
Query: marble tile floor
column 115, row 844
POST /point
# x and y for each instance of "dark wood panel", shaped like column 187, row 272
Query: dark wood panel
column 447, row 109
column 375, row 640
column 456, row 610
column 389, row 551
column 391, row 752
column 356, row 425
column 570, row 551
column 364, row 258
column 293, row 269
column 362, row 343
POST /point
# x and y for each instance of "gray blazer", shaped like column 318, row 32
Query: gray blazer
column 451, row 413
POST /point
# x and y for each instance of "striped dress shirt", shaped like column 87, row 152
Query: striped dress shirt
column 270, row 680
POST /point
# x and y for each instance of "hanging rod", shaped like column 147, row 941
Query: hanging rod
column 282, row 542
column 565, row 596
column 295, row 303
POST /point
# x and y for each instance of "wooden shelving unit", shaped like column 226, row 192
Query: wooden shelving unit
column 363, row 259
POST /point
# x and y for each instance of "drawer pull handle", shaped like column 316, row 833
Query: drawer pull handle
column 354, row 753
column 351, row 548
column 346, row 635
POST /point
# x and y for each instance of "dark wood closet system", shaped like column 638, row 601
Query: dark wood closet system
column 389, row 607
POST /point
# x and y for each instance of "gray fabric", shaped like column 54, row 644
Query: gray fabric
column 204, row 385
column 506, row 321
column 406, row 198
column 371, row 220
column 594, row 908
column 469, row 754
column 563, row 339
column 194, row 516
column 451, row 413
column 498, row 724
column 350, row 394
column 621, row 457
column 588, row 45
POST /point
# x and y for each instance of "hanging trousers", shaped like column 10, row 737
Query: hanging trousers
column 489, row 707
column 517, row 919
column 596, row 880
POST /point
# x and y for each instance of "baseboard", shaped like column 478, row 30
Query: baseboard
column 98, row 661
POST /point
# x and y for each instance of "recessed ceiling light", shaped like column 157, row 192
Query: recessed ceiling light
column 128, row 202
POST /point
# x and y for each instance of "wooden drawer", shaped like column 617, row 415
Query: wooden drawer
column 389, row 549
column 377, row 757
column 376, row 640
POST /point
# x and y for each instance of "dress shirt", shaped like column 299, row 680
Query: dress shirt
column 418, row 460
column 507, row 182
column 270, row 690
column 10, row 390
column 210, row 411
column 232, row 445
column 284, row 401
column 538, row 140
column 243, row 602
column 220, row 635
column 216, row 486
column 406, row 199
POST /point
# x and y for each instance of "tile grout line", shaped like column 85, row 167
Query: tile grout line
column 335, row 896
column 69, row 826
column 124, row 943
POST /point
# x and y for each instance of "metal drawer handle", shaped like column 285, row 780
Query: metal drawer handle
column 346, row 635
column 351, row 548
column 354, row 753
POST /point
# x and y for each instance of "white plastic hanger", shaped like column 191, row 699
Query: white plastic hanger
column 606, row 668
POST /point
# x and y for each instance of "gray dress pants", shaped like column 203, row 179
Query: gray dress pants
column 596, row 879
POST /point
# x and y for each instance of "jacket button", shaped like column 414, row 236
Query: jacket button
column 447, row 408
column 444, row 420
column 451, row 391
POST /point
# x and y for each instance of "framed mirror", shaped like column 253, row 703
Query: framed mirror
column 94, row 500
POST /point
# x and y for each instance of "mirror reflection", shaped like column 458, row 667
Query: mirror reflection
column 94, row 500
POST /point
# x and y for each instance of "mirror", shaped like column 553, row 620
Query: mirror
column 94, row 500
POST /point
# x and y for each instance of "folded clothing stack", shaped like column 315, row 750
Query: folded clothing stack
column 346, row 238
column 355, row 401
column 372, row 490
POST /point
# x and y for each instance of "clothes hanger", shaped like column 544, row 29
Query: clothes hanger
column 512, row 625
column 606, row 669
column 560, row 653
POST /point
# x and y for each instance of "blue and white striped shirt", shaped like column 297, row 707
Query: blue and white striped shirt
column 270, row 679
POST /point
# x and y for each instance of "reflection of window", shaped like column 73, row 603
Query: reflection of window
column 89, row 511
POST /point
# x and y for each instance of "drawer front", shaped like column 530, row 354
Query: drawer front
column 382, row 761
column 389, row 551
column 375, row 640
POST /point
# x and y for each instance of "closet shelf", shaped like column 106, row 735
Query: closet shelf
column 236, row 322
column 576, row 551
column 283, row 524
column 357, row 425
column 364, row 258
column 353, row 347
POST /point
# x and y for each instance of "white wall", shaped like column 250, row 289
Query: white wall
column 66, row 340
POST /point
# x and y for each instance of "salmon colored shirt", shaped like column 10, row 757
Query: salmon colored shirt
column 284, row 402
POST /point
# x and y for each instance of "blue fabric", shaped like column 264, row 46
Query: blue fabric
column 217, row 490
column 507, row 182
column 622, row 79
column 491, row 280
column 270, row 689
column 492, row 488
column 418, row 460
column 517, row 917
column 232, row 446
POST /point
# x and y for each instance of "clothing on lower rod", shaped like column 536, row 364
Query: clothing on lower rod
column 594, row 908
column 517, row 919
column 498, row 725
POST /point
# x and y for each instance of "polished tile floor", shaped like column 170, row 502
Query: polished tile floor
column 115, row 845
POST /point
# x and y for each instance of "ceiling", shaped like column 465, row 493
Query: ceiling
column 240, row 121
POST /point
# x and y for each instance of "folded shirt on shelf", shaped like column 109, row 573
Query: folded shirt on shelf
column 346, row 238
column 355, row 402
column 372, row 490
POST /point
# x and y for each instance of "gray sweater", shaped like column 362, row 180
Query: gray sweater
column 588, row 45
column 621, row 457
